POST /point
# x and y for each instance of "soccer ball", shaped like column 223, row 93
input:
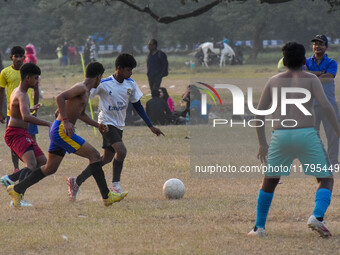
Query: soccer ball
column 173, row 189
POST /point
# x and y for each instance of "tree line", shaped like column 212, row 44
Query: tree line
column 49, row 23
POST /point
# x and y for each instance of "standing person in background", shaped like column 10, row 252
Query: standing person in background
column 72, row 53
column 157, row 65
column 165, row 96
column 87, row 51
column 4, row 104
column 10, row 79
column 64, row 51
column 59, row 55
column 93, row 51
column 325, row 69
column 30, row 54
column 31, row 58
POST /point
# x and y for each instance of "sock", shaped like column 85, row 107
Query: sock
column 24, row 173
column 322, row 201
column 263, row 203
column 15, row 176
column 32, row 179
column 84, row 175
column 99, row 176
column 117, row 170
column 15, row 160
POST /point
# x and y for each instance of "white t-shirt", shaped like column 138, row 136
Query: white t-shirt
column 114, row 98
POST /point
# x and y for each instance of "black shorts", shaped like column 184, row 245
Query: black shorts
column 114, row 135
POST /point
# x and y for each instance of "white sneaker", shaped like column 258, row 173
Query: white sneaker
column 73, row 188
column 257, row 232
column 23, row 203
column 115, row 187
column 6, row 181
column 319, row 226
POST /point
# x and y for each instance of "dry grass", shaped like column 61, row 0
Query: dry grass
column 213, row 217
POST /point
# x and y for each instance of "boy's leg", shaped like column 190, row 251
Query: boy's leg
column 118, row 161
column 51, row 166
column 88, row 151
column 264, row 200
column 322, row 201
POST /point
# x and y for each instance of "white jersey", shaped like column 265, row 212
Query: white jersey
column 114, row 98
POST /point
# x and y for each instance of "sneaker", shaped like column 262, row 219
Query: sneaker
column 114, row 197
column 6, row 181
column 23, row 203
column 257, row 232
column 73, row 188
column 319, row 226
column 16, row 197
column 115, row 187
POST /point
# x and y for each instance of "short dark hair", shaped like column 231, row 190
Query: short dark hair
column 94, row 69
column 17, row 50
column 155, row 93
column 29, row 69
column 125, row 60
column 165, row 93
column 154, row 41
column 293, row 55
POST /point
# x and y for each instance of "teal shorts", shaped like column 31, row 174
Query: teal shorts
column 303, row 144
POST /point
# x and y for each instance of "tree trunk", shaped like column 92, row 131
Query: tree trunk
column 257, row 41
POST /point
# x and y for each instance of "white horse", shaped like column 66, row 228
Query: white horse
column 226, row 52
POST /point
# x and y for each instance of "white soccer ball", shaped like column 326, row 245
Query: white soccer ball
column 173, row 189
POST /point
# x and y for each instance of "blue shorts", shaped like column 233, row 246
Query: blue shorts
column 303, row 144
column 60, row 142
column 32, row 128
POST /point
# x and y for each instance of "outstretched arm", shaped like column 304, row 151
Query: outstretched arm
column 141, row 112
column 85, row 118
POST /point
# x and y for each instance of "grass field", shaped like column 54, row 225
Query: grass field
column 214, row 216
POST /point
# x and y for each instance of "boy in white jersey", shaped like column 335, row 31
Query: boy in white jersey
column 114, row 93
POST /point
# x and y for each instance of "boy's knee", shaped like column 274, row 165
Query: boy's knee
column 95, row 157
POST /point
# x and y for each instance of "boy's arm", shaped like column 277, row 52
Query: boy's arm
column 264, row 103
column 326, row 106
column 85, row 118
column 141, row 112
column 36, row 96
column 3, row 83
column 24, row 103
column 2, row 92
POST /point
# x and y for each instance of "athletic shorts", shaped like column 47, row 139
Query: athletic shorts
column 303, row 144
column 114, row 135
column 20, row 141
column 32, row 128
column 60, row 143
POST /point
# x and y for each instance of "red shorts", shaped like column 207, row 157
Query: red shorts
column 19, row 140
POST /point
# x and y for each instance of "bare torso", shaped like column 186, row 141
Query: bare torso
column 297, row 79
column 16, row 119
column 76, row 105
